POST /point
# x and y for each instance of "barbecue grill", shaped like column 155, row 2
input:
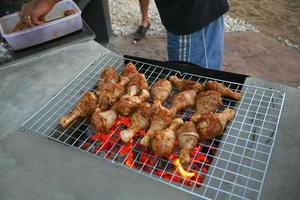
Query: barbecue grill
column 231, row 166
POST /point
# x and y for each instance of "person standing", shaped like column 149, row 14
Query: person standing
column 195, row 30
column 144, row 25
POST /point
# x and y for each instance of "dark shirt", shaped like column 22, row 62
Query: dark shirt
column 188, row 16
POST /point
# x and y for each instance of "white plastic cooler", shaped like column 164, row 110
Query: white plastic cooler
column 45, row 32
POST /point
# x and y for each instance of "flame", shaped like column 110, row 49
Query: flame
column 182, row 171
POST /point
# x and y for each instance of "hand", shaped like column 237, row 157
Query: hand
column 35, row 11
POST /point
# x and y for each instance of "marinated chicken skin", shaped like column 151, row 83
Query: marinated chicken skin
column 183, row 100
column 109, row 91
column 161, row 91
column 129, row 70
column 225, row 91
column 163, row 141
column 213, row 124
column 129, row 104
column 182, row 84
column 103, row 121
column 84, row 108
column 161, row 118
column 109, row 94
column 137, row 83
column 207, row 102
column 109, row 75
column 140, row 120
column 187, row 137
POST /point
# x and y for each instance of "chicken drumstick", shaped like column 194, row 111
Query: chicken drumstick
column 103, row 121
column 109, row 75
column 163, row 141
column 137, row 83
column 187, row 135
column 213, row 124
column 161, row 91
column 140, row 120
column 187, row 139
column 225, row 91
column 206, row 103
column 182, row 84
column 84, row 108
column 161, row 118
column 183, row 100
column 128, row 104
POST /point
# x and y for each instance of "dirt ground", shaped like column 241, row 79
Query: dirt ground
column 275, row 18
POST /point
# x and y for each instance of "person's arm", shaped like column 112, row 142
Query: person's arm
column 35, row 11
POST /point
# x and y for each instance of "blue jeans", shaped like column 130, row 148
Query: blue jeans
column 204, row 47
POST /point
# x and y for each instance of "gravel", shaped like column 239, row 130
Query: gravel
column 126, row 16
column 4, row 53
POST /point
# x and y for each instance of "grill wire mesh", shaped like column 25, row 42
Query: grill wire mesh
column 239, row 164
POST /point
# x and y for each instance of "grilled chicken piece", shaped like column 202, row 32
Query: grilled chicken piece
column 108, row 90
column 137, row 83
column 225, row 91
column 207, row 102
column 187, row 137
column 84, row 108
column 140, row 120
column 213, row 124
column 163, row 141
column 161, row 91
column 183, row 100
column 161, row 118
column 129, row 104
column 103, row 121
column 108, row 94
column 182, row 84
column 129, row 70
column 109, row 75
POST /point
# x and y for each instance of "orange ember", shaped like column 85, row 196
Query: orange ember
column 110, row 144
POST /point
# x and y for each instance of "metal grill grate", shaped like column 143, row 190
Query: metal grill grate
column 240, row 157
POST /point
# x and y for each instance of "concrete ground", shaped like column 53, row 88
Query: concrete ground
column 248, row 53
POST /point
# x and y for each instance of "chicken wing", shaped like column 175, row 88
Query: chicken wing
column 84, row 108
column 225, row 91
column 163, row 141
column 207, row 102
column 140, row 120
column 213, row 124
column 182, row 84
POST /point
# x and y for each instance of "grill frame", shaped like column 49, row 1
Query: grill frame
column 209, row 189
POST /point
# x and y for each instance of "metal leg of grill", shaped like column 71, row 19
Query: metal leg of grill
column 96, row 14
